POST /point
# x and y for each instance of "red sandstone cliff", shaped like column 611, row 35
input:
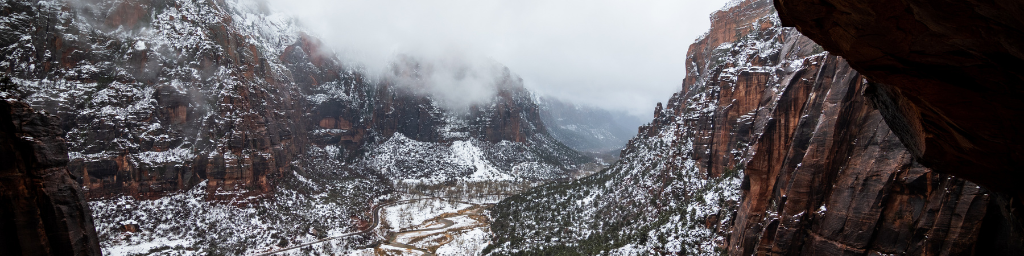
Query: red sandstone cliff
column 42, row 208
column 824, row 175
column 947, row 77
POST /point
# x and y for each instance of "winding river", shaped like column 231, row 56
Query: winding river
column 447, row 228
column 421, row 226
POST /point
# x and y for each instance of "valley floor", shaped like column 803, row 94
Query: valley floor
column 417, row 217
column 433, row 226
column 439, row 219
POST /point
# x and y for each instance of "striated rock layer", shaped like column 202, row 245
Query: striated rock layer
column 948, row 80
column 42, row 208
column 826, row 176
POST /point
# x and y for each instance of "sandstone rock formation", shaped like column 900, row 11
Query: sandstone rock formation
column 946, row 77
column 42, row 207
column 828, row 177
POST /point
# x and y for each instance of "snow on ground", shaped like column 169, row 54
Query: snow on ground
column 185, row 223
column 156, row 246
column 468, row 160
column 400, row 251
column 361, row 252
column 460, row 222
column 466, row 235
column 471, row 242
column 485, row 199
column 467, row 154
column 408, row 215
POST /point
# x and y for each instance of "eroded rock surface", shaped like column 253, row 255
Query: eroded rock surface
column 946, row 78
column 947, row 71
column 42, row 208
column 828, row 177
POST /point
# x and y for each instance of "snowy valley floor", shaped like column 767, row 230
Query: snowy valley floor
column 417, row 218
column 433, row 226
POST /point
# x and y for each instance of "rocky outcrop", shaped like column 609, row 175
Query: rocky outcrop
column 42, row 208
column 157, row 96
column 200, row 96
column 946, row 78
column 823, row 174
column 828, row 177
column 947, row 75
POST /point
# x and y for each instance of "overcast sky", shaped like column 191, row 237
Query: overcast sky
column 618, row 55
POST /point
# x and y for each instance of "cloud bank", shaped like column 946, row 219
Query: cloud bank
column 617, row 55
column 456, row 81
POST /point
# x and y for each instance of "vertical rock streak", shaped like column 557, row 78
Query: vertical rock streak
column 42, row 207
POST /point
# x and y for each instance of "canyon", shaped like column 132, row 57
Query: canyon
column 218, row 127
column 803, row 127
column 773, row 146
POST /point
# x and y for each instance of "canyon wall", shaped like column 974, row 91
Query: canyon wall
column 826, row 176
column 158, row 96
column 42, row 207
column 770, row 148
column 946, row 77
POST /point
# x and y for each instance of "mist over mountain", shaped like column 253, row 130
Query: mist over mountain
column 588, row 129
column 620, row 55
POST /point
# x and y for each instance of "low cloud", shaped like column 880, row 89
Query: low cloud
column 454, row 80
column 618, row 55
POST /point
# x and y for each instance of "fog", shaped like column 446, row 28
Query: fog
column 453, row 79
column 617, row 55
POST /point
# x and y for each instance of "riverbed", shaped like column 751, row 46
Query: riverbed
column 433, row 226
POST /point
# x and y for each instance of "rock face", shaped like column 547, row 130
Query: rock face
column 828, row 177
column 158, row 96
column 947, row 75
column 184, row 120
column 770, row 148
column 43, row 208
column 946, row 78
